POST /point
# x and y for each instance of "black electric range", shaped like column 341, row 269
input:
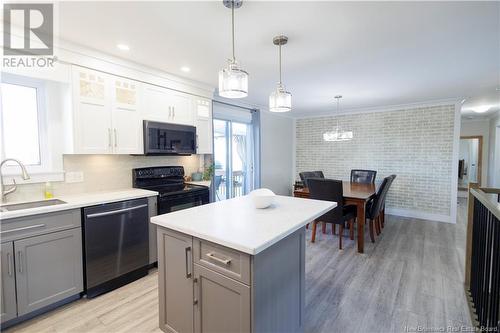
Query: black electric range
column 168, row 181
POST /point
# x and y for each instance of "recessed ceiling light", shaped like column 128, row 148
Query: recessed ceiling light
column 123, row 47
column 481, row 109
column 185, row 69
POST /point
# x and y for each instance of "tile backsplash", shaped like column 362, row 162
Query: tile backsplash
column 103, row 173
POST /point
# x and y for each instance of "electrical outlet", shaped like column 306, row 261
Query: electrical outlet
column 74, row 177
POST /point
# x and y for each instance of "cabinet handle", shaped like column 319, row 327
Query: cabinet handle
column 23, row 228
column 9, row 264
column 169, row 112
column 109, row 138
column 188, row 270
column 195, row 300
column 212, row 256
column 197, row 140
column 20, row 255
column 116, row 138
column 173, row 111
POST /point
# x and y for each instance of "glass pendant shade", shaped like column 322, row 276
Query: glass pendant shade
column 233, row 81
column 280, row 100
column 337, row 136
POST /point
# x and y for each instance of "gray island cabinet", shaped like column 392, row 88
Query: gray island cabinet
column 228, row 267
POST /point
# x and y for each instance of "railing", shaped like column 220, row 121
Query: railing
column 238, row 186
column 482, row 266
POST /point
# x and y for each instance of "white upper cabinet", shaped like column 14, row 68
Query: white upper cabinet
column 203, row 122
column 105, row 114
column 92, row 128
column 108, row 113
column 127, row 123
column 165, row 105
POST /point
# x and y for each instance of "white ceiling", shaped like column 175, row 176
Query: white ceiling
column 373, row 53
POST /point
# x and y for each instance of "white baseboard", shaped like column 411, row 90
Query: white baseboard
column 419, row 215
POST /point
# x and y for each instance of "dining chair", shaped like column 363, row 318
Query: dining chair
column 332, row 190
column 374, row 207
column 382, row 215
column 217, row 181
column 363, row 176
column 305, row 175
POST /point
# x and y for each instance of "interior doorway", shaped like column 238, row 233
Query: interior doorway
column 469, row 161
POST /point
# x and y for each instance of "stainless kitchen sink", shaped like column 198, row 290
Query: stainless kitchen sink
column 32, row 204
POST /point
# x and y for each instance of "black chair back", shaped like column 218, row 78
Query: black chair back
column 363, row 176
column 328, row 190
column 304, row 176
column 218, row 181
column 378, row 202
column 391, row 179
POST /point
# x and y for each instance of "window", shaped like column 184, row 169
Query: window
column 23, row 130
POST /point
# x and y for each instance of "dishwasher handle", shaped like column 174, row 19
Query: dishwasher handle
column 114, row 212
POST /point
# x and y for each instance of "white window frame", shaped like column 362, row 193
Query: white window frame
column 45, row 170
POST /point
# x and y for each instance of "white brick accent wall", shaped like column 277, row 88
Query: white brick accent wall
column 415, row 144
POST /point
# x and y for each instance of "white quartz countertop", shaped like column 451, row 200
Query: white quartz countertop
column 80, row 200
column 237, row 224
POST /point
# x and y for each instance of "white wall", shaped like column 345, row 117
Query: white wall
column 277, row 135
column 494, row 152
column 478, row 127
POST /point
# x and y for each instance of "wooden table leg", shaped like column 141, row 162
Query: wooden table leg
column 361, row 225
column 323, row 229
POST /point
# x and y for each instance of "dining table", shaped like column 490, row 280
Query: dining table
column 358, row 194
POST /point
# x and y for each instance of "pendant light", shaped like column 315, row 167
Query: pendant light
column 233, row 81
column 338, row 134
column 280, row 100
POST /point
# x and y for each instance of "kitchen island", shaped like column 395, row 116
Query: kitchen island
column 229, row 267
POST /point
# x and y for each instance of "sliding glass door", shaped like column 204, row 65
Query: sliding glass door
column 233, row 158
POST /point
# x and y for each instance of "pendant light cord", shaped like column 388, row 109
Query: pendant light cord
column 232, row 26
column 280, row 61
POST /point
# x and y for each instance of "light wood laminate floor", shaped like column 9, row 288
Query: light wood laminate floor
column 411, row 276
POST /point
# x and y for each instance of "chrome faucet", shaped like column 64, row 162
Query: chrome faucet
column 24, row 174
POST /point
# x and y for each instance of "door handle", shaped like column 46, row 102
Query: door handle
column 20, row 255
column 188, row 270
column 9, row 264
column 116, row 138
column 109, row 138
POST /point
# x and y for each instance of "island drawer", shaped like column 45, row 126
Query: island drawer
column 226, row 261
column 33, row 225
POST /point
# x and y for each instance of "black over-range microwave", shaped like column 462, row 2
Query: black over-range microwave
column 168, row 139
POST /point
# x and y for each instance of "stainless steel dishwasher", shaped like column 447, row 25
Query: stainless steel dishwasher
column 116, row 245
